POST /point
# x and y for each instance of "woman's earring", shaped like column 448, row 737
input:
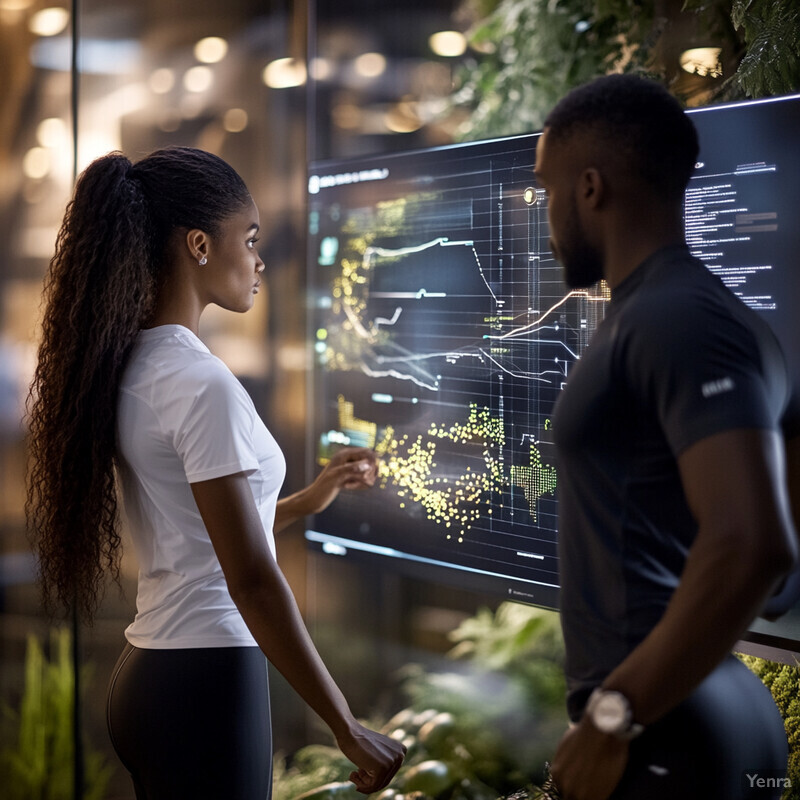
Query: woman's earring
column 203, row 261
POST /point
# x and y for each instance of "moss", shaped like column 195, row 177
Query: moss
column 783, row 681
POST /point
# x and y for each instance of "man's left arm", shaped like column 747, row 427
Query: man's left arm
column 735, row 485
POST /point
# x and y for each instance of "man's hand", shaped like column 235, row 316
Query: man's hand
column 588, row 764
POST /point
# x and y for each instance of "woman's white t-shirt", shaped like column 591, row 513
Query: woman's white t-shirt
column 183, row 417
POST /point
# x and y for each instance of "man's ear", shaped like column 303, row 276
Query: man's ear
column 591, row 187
column 197, row 244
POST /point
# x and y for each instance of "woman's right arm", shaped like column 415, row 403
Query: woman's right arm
column 350, row 468
column 267, row 605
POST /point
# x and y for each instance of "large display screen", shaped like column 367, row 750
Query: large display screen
column 443, row 333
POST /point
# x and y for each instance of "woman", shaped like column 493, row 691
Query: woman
column 126, row 394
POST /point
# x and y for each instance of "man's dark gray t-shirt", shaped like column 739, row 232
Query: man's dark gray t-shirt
column 678, row 358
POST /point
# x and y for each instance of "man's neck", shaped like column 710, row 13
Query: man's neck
column 633, row 238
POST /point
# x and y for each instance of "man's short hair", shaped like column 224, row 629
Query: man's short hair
column 637, row 123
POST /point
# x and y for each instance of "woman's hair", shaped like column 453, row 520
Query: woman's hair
column 110, row 260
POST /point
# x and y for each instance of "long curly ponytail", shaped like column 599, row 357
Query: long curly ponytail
column 100, row 290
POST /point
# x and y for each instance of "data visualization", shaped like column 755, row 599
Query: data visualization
column 443, row 334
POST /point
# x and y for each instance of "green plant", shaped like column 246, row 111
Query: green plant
column 313, row 768
column 484, row 727
column 783, row 680
column 505, row 691
column 474, row 730
column 40, row 766
column 532, row 52
column 765, row 36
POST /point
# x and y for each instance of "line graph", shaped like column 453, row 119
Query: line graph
column 446, row 334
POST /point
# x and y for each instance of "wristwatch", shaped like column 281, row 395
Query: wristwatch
column 610, row 712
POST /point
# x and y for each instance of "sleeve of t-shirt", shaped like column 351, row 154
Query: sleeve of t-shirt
column 215, row 436
column 699, row 368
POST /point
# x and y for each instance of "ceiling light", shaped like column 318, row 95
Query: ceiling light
column 320, row 69
column 49, row 21
column 370, row 65
column 162, row 80
column 36, row 162
column 402, row 118
column 51, row 132
column 448, row 43
column 284, row 73
column 198, row 79
column 703, row 61
column 211, row 49
column 235, row 120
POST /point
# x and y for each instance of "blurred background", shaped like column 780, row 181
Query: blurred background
column 270, row 85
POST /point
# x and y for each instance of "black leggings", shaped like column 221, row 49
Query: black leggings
column 720, row 744
column 193, row 723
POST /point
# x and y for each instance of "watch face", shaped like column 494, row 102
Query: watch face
column 610, row 713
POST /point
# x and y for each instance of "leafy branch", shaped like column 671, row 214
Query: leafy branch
column 529, row 53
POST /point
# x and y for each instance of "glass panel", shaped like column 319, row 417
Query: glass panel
column 35, row 172
column 231, row 78
column 190, row 73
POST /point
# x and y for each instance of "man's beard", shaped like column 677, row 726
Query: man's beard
column 582, row 263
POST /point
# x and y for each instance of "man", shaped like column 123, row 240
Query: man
column 674, row 523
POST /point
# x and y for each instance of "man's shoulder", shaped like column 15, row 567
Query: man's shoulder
column 683, row 319
column 682, row 276
column 679, row 296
